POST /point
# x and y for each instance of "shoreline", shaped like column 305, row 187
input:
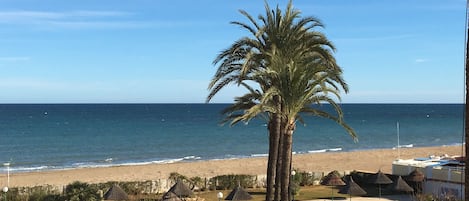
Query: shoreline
column 192, row 158
column 370, row 160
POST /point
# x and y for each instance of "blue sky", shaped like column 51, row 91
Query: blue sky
column 152, row 51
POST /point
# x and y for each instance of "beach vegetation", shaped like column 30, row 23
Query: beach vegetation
column 36, row 193
column 44, row 196
column 288, row 68
column 301, row 188
column 198, row 183
column 78, row 191
column 303, row 178
column 224, row 182
column 194, row 183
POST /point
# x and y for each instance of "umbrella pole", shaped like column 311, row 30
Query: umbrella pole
column 332, row 193
column 379, row 187
column 379, row 190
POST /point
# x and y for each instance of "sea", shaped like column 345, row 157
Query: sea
column 42, row 137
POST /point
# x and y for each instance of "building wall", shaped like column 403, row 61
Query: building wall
column 443, row 189
column 439, row 181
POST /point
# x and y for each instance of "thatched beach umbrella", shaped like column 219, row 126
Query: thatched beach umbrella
column 181, row 189
column 115, row 193
column 352, row 188
column 170, row 196
column 416, row 176
column 401, row 186
column 380, row 178
column 332, row 179
column 238, row 193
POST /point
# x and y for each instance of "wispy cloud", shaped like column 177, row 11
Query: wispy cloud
column 420, row 60
column 377, row 38
column 40, row 15
column 14, row 59
column 20, row 83
column 72, row 19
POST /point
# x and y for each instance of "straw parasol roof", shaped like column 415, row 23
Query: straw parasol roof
column 170, row 196
column 380, row 178
column 238, row 194
column 181, row 190
column 115, row 193
column 332, row 180
column 416, row 176
column 401, row 186
column 352, row 188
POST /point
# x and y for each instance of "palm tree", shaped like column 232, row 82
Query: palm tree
column 293, row 67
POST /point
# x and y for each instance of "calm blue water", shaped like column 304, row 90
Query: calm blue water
column 58, row 136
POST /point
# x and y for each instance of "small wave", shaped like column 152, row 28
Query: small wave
column 110, row 162
column 454, row 144
column 404, row 146
column 175, row 160
column 192, row 158
column 317, row 151
column 259, row 155
column 29, row 169
column 407, row 146
column 335, row 149
column 325, row 150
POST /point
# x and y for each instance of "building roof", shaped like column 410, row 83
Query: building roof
column 420, row 162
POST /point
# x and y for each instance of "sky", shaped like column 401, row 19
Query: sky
column 155, row 51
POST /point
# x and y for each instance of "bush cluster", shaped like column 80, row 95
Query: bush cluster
column 84, row 191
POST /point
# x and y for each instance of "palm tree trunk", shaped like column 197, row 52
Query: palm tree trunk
column 286, row 166
column 280, row 161
column 274, row 137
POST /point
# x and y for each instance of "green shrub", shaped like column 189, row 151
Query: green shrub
column 78, row 191
column 224, row 182
column 197, row 182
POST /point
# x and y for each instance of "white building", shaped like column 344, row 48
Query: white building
column 444, row 176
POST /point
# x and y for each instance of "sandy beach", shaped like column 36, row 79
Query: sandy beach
column 369, row 160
